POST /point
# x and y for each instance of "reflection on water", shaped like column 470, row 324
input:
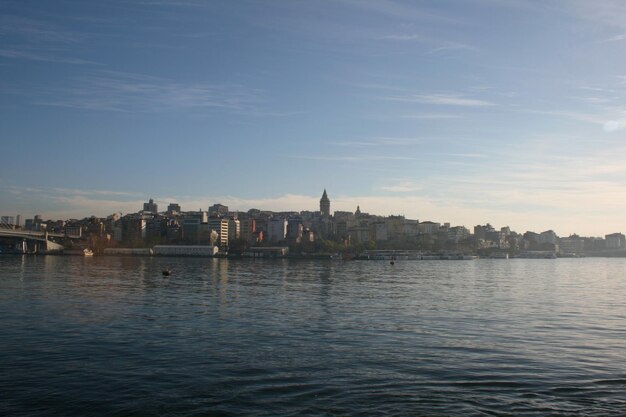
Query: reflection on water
column 111, row 335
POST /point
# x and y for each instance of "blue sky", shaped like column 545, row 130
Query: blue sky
column 510, row 112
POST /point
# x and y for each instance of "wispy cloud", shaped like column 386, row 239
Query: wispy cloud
column 36, row 56
column 401, row 187
column 173, row 3
column 431, row 116
column 452, row 46
column 31, row 30
column 616, row 38
column 354, row 158
column 592, row 118
column 606, row 13
column 378, row 141
column 29, row 39
column 614, row 125
column 397, row 10
column 130, row 92
column 435, row 45
column 402, row 37
column 76, row 191
column 442, row 99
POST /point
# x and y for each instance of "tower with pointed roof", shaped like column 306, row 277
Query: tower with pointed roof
column 325, row 205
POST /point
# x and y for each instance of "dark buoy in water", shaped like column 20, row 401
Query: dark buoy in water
column 167, row 272
column 392, row 262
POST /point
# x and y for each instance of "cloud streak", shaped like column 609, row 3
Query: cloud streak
column 131, row 92
column 35, row 56
column 441, row 99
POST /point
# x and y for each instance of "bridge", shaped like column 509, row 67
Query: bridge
column 32, row 241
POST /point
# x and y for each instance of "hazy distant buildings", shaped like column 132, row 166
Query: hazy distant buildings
column 151, row 207
column 74, row 230
column 615, row 241
column 35, row 223
column 218, row 210
column 428, row 227
column 9, row 220
column 458, row 233
column 190, row 226
column 295, row 229
column 325, row 205
column 277, row 230
column 234, row 229
column 173, row 209
column 248, row 230
column 352, row 231
column 572, row 245
column 548, row 237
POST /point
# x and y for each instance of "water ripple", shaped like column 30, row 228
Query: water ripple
column 111, row 336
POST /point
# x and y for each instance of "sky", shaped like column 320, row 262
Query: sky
column 510, row 112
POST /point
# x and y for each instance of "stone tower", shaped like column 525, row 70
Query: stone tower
column 325, row 205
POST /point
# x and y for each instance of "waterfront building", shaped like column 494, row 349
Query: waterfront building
column 481, row 232
column 429, row 228
column 74, row 230
column 234, row 229
column 573, row 244
column 220, row 226
column 267, row 252
column 615, row 241
column 341, row 228
column 128, row 251
column 155, row 226
column 247, row 228
column 594, row 244
column 132, row 229
column 191, row 227
column 184, row 250
column 458, row 233
column 294, row 228
column 343, row 220
column 548, row 237
column 410, row 228
column 395, row 227
column 276, row 230
column 118, row 233
column 381, row 231
column 360, row 234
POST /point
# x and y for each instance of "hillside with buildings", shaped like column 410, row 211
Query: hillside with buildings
column 303, row 232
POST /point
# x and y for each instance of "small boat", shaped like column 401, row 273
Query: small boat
column 167, row 272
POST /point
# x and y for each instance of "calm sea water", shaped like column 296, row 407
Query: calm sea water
column 111, row 336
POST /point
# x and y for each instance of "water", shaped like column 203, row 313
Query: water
column 111, row 336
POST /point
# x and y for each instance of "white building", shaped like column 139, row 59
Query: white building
column 429, row 228
column 221, row 227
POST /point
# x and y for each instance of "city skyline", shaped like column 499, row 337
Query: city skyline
column 501, row 112
column 163, row 207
